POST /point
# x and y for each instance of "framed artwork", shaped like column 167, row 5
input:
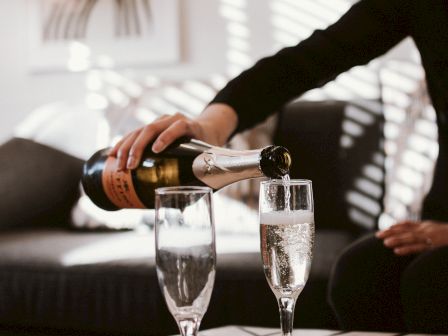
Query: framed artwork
column 77, row 35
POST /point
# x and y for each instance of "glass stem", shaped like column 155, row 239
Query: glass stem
column 286, row 307
column 189, row 327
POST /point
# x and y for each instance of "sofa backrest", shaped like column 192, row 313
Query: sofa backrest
column 339, row 146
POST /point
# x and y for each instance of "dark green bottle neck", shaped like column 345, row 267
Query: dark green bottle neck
column 275, row 161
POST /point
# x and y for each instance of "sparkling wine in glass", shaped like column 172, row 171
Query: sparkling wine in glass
column 286, row 238
column 185, row 253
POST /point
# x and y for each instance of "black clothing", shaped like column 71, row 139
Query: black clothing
column 371, row 288
column 367, row 30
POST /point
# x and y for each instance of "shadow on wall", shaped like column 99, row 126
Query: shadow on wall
column 411, row 139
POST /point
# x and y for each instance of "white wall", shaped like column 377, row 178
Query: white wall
column 20, row 91
column 206, row 44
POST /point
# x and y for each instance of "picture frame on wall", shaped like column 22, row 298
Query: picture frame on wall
column 77, row 35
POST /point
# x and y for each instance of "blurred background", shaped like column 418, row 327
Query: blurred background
column 78, row 74
column 213, row 40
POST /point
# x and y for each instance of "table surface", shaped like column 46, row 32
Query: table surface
column 256, row 331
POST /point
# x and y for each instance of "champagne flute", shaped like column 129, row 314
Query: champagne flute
column 185, row 253
column 287, row 238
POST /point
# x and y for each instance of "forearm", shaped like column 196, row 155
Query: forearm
column 219, row 121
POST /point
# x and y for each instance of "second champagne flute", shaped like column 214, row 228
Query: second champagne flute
column 287, row 238
column 185, row 253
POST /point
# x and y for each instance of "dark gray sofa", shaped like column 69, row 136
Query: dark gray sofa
column 57, row 280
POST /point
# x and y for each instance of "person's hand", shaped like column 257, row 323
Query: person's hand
column 213, row 126
column 409, row 237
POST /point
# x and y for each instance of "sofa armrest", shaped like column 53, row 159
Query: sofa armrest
column 39, row 184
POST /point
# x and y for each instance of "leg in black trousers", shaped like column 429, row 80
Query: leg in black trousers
column 424, row 292
column 364, row 290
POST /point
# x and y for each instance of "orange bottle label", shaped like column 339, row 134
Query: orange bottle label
column 119, row 187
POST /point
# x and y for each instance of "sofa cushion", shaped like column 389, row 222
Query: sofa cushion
column 39, row 184
column 106, row 282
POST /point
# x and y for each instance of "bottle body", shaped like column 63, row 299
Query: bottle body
column 183, row 163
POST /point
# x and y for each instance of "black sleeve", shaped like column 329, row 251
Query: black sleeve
column 367, row 30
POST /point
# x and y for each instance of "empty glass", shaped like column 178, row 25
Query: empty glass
column 185, row 253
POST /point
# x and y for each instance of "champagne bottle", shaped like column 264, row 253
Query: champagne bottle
column 185, row 162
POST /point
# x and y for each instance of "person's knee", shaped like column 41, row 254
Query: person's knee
column 425, row 279
column 424, row 293
column 352, row 269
